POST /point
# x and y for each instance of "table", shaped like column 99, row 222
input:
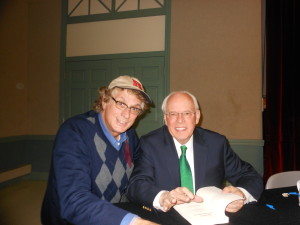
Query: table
column 172, row 217
column 287, row 211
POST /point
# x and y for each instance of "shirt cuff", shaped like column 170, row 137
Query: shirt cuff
column 129, row 219
column 156, row 203
column 248, row 196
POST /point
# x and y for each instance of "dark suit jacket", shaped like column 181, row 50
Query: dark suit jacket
column 158, row 166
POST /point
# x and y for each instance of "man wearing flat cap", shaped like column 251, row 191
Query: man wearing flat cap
column 93, row 157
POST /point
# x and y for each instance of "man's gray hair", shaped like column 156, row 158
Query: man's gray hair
column 164, row 104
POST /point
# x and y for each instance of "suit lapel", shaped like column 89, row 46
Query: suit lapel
column 200, row 158
column 172, row 162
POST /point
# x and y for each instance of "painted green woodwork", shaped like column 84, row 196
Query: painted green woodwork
column 83, row 78
column 87, row 11
column 250, row 151
column 36, row 150
column 150, row 71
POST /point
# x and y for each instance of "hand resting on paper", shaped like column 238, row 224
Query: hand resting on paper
column 235, row 205
column 177, row 196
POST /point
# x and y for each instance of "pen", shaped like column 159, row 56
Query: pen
column 293, row 193
column 270, row 206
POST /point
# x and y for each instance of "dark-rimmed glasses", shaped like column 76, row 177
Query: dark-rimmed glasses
column 123, row 106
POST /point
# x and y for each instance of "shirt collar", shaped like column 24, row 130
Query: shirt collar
column 189, row 144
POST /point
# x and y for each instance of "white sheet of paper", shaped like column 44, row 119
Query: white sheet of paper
column 211, row 210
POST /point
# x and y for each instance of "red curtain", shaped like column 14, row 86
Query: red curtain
column 281, row 117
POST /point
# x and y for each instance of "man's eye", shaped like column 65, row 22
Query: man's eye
column 173, row 114
column 186, row 113
column 135, row 109
column 123, row 105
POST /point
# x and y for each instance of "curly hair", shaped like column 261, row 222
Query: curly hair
column 104, row 95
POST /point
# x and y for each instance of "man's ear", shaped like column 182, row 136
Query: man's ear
column 165, row 120
column 104, row 104
column 198, row 116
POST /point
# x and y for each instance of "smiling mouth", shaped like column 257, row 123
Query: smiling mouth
column 122, row 122
column 180, row 128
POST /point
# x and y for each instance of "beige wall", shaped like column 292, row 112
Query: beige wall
column 29, row 43
column 13, row 67
column 215, row 54
column 43, row 66
column 143, row 34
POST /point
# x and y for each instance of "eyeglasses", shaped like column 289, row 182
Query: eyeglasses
column 185, row 115
column 123, row 106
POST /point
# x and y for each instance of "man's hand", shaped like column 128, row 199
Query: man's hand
column 140, row 221
column 177, row 196
column 235, row 205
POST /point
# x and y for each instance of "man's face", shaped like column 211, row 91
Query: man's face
column 118, row 120
column 182, row 117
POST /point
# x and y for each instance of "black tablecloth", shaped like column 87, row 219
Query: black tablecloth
column 287, row 211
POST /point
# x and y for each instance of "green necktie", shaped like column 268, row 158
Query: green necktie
column 185, row 170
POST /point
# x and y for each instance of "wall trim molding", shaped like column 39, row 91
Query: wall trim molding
column 251, row 151
column 37, row 150
column 15, row 173
column 27, row 138
column 248, row 142
column 116, row 56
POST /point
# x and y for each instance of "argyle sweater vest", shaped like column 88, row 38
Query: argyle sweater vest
column 114, row 171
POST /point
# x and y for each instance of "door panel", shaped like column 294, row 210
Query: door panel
column 82, row 80
column 150, row 71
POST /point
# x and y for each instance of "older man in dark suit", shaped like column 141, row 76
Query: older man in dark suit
column 157, row 180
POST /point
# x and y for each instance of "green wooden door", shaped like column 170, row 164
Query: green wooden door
column 83, row 78
column 150, row 71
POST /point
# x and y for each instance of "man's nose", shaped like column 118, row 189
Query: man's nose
column 180, row 117
column 126, row 113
